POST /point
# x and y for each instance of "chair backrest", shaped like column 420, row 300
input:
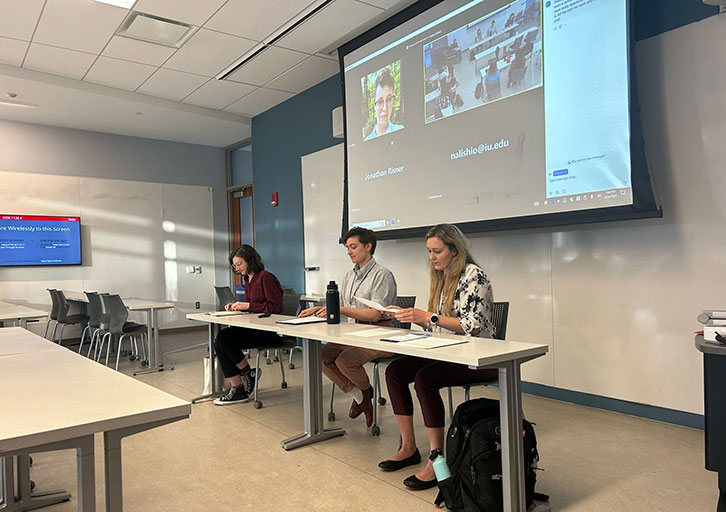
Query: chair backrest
column 224, row 296
column 55, row 304
column 117, row 312
column 290, row 302
column 95, row 309
column 494, row 90
column 499, row 319
column 518, row 74
column 406, row 301
column 63, row 305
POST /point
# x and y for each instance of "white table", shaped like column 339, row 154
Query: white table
column 507, row 356
column 156, row 357
column 86, row 398
column 19, row 314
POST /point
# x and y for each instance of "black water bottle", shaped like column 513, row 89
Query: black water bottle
column 332, row 303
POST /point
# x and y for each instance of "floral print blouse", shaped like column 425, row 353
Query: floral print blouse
column 472, row 303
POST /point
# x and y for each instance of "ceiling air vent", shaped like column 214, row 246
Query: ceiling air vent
column 155, row 29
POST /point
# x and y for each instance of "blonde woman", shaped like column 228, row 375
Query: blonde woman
column 460, row 302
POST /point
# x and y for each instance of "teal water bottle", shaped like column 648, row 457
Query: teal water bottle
column 441, row 469
column 443, row 475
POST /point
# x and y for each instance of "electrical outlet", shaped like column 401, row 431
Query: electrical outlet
column 197, row 305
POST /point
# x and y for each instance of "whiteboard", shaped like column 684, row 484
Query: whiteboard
column 322, row 179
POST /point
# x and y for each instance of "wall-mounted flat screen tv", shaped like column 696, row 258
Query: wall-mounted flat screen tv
column 39, row 240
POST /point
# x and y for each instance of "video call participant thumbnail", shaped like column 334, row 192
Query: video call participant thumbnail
column 384, row 100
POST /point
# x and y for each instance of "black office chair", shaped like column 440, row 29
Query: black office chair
column 224, row 296
column 500, row 314
column 290, row 306
column 65, row 316
column 54, row 309
column 119, row 328
column 97, row 322
column 378, row 398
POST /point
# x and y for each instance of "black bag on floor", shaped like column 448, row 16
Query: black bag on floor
column 473, row 454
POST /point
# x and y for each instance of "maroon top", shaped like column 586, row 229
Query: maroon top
column 264, row 293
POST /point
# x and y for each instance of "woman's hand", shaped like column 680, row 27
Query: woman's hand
column 239, row 306
column 309, row 311
column 322, row 312
column 391, row 315
column 413, row 315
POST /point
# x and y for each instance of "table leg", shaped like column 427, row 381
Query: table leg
column 25, row 499
column 312, row 401
column 510, row 412
column 112, row 464
column 211, row 374
column 156, row 359
column 86, row 468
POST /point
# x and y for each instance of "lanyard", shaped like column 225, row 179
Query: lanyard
column 352, row 291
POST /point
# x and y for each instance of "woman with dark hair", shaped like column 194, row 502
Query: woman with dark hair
column 263, row 294
column 460, row 302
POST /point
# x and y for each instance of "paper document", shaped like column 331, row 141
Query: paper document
column 227, row 313
column 304, row 320
column 432, row 342
column 375, row 333
column 402, row 338
column 375, row 305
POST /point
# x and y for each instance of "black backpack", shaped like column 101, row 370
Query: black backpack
column 474, row 457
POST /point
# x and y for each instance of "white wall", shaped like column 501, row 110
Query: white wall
column 32, row 148
column 138, row 238
column 616, row 302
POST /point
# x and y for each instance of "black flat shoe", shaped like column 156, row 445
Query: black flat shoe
column 395, row 465
column 415, row 484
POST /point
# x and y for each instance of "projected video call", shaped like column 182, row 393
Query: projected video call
column 491, row 58
column 509, row 112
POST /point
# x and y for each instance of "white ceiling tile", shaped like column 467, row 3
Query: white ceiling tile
column 120, row 74
column 19, row 18
column 170, row 84
column 12, row 51
column 306, row 74
column 58, row 61
column 208, row 52
column 267, row 65
column 327, row 26
column 258, row 101
column 194, row 12
column 255, row 19
column 138, row 51
column 80, row 25
column 218, row 94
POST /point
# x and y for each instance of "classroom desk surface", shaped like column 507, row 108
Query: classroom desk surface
column 507, row 356
column 86, row 398
column 19, row 314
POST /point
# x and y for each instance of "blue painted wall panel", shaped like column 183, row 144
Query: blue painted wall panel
column 297, row 127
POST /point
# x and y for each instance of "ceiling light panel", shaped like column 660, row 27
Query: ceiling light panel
column 155, row 29
column 126, row 4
